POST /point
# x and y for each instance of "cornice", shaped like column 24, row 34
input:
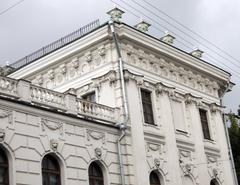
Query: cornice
column 169, row 70
column 129, row 33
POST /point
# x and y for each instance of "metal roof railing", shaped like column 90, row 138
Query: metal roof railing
column 56, row 45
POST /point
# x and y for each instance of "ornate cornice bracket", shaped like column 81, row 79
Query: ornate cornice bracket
column 214, row 108
column 110, row 76
column 164, row 89
column 135, row 77
column 190, row 99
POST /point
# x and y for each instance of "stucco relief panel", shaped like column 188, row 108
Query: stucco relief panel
column 187, row 164
column 52, row 134
column 156, row 158
column 96, row 144
column 215, row 168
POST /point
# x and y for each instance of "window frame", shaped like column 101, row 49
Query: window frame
column 186, row 129
column 208, row 124
column 151, row 104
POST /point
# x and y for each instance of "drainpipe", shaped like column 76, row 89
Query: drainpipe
column 121, row 126
column 228, row 141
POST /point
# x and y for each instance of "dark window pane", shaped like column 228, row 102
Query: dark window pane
column 4, row 178
column 147, row 107
column 90, row 97
column 53, row 179
column 50, row 171
column 45, row 179
column 204, row 122
column 154, row 180
column 95, row 174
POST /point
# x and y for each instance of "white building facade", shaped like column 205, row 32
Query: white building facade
column 114, row 106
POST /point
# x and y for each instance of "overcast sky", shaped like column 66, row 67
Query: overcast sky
column 34, row 23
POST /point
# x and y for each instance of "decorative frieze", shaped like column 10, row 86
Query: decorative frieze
column 72, row 68
column 39, row 80
column 88, row 56
column 75, row 63
column 168, row 69
column 63, row 69
column 102, row 51
column 51, row 74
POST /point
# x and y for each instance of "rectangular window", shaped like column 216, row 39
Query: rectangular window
column 204, row 122
column 90, row 97
column 147, row 107
column 178, row 115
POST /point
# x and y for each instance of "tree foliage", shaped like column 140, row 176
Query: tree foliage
column 234, row 135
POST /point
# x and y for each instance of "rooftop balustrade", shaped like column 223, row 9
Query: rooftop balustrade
column 56, row 45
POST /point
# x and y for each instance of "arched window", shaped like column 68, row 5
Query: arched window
column 95, row 174
column 154, row 179
column 4, row 176
column 50, row 171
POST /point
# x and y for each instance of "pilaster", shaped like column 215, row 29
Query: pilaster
column 168, row 126
column 141, row 176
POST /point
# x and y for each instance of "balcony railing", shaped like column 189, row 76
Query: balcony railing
column 63, row 102
column 56, row 45
column 44, row 96
column 8, row 86
column 96, row 110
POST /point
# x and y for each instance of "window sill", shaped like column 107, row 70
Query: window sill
column 181, row 132
column 209, row 141
column 151, row 125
